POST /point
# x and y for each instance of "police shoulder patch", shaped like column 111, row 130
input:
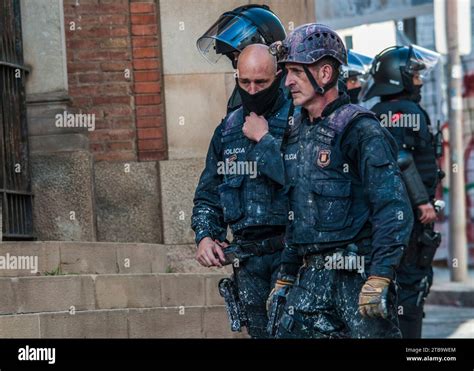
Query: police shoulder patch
column 324, row 157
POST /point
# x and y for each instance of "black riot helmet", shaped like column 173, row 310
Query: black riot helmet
column 243, row 26
column 393, row 69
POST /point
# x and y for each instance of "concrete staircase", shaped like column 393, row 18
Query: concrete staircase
column 109, row 290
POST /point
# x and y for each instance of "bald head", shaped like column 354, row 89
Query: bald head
column 256, row 68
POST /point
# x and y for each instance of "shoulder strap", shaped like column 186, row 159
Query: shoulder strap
column 233, row 119
column 341, row 117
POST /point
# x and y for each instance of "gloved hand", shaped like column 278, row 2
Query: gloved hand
column 281, row 283
column 373, row 297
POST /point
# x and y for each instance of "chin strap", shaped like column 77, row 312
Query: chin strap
column 318, row 89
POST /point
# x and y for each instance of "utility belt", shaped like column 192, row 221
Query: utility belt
column 361, row 247
column 242, row 249
column 317, row 255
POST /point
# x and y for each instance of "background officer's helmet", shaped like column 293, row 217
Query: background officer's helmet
column 357, row 65
column 243, row 26
column 393, row 69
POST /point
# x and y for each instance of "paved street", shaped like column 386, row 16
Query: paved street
column 448, row 322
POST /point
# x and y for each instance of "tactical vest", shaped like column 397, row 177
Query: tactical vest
column 327, row 198
column 249, row 200
column 419, row 142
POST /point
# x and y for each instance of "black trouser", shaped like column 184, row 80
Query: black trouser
column 255, row 277
column 414, row 284
column 323, row 303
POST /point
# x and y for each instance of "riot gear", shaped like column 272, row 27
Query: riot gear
column 308, row 44
column 254, row 206
column 243, row 26
column 357, row 68
column 339, row 162
column 394, row 77
column 393, row 69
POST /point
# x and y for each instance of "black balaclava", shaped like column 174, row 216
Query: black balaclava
column 261, row 102
column 415, row 95
column 354, row 94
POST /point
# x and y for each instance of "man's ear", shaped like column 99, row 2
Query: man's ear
column 327, row 73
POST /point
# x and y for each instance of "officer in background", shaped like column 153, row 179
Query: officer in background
column 252, row 204
column 347, row 200
column 236, row 29
column 397, row 77
column 355, row 73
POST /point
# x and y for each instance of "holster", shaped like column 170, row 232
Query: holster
column 235, row 311
column 276, row 310
column 428, row 242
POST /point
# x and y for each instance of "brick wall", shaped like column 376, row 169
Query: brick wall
column 114, row 71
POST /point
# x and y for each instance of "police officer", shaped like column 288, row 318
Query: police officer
column 347, row 201
column 355, row 73
column 236, row 29
column 396, row 76
column 252, row 203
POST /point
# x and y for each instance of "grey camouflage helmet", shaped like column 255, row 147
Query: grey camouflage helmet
column 309, row 43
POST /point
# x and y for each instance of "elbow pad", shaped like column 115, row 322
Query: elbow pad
column 415, row 187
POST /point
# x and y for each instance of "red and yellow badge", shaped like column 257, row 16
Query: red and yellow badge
column 324, row 157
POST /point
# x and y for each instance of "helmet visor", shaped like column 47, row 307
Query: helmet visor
column 229, row 34
column 357, row 65
column 366, row 91
column 421, row 61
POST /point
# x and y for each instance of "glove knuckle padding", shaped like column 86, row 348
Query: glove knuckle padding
column 373, row 297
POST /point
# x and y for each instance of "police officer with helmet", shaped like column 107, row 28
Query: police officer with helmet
column 355, row 73
column 347, row 201
column 397, row 75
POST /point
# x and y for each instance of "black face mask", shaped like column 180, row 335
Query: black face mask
column 262, row 101
column 354, row 94
column 415, row 96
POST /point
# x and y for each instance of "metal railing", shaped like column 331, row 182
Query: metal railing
column 15, row 182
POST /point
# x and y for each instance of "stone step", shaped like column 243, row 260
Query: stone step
column 155, row 322
column 109, row 291
column 80, row 258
